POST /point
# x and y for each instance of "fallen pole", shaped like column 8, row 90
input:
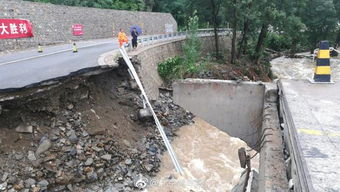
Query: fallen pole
column 159, row 126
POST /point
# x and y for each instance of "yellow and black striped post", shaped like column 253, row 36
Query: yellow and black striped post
column 323, row 67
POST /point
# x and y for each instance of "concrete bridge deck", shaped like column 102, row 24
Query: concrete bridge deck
column 312, row 130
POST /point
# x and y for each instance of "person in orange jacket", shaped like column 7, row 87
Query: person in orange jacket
column 122, row 38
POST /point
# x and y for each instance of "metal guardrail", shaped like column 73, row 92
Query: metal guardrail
column 158, row 38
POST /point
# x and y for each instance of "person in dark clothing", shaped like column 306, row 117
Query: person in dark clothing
column 134, row 35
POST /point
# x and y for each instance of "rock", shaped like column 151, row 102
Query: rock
column 3, row 186
column 133, row 85
column 69, row 187
column 50, row 157
column 19, row 186
column 24, row 129
column 126, row 142
column 119, row 186
column 97, row 149
column 92, row 176
column 73, row 137
column 12, row 179
column 29, row 183
column 85, row 133
column 128, row 162
column 31, row 156
column 63, row 129
column 144, row 114
column 73, row 152
column 18, row 156
column 70, row 106
column 106, row 157
column 89, row 162
column 148, row 166
column 43, row 147
column 35, row 189
column 4, row 177
column 88, row 169
column 43, row 184
column 96, row 131
column 100, row 172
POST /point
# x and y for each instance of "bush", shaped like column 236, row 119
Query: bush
column 188, row 65
column 278, row 42
column 170, row 69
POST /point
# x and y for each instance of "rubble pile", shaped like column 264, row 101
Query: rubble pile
column 83, row 136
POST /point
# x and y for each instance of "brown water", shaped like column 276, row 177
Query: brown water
column 301, row 68
column 209, row 158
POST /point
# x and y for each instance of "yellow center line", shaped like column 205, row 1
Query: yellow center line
column 319, row 133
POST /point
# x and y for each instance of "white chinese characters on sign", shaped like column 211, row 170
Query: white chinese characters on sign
column 23, row 28
column 13, row 29
column 3, row 29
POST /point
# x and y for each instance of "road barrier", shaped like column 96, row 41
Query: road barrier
column 150, row 40
column 74, row 48
column 40, row 49
column 323, row 68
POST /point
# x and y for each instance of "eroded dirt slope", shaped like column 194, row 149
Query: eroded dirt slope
column 84, row 135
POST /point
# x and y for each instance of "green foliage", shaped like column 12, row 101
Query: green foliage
column 277, row 42
column 135, row 5
column 178, row 67
column 170, row 69
column 320, row 20
column 191, row 47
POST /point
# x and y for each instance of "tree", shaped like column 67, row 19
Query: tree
column 337, row 9
column 209, row 11
column 268, row 14
column 320, row 20
column 247, row 17
column 180, row 9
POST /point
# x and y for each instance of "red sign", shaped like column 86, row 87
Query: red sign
column 77, row 29
column 15, row 28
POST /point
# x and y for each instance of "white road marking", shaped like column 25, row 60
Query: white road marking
column 44, row 55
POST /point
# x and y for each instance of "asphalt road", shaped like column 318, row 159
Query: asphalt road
column 315, row 123
column 24, row 68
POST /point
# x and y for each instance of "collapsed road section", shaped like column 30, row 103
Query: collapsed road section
column 85, row 134
column 82, row 134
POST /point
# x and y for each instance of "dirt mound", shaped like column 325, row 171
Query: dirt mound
column 83, row 135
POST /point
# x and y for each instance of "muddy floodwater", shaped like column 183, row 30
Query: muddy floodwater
column 209, row 158
column 301, row 68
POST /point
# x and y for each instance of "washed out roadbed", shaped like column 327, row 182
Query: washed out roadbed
column 83, row 135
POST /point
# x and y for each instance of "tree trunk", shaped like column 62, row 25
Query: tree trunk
column 244, row 41
column 233, row 43
column 337, row 42
column 215, row 14
column 260, row 42
column 293, row 49
column 216, row 41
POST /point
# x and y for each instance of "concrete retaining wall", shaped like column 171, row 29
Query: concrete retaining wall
column 273, row 174
column 244, row 110
column 149, row 57
column 235, row 108
column 52, row 23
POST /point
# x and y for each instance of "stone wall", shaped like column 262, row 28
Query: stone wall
column 52, row 23
column 150, row 56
